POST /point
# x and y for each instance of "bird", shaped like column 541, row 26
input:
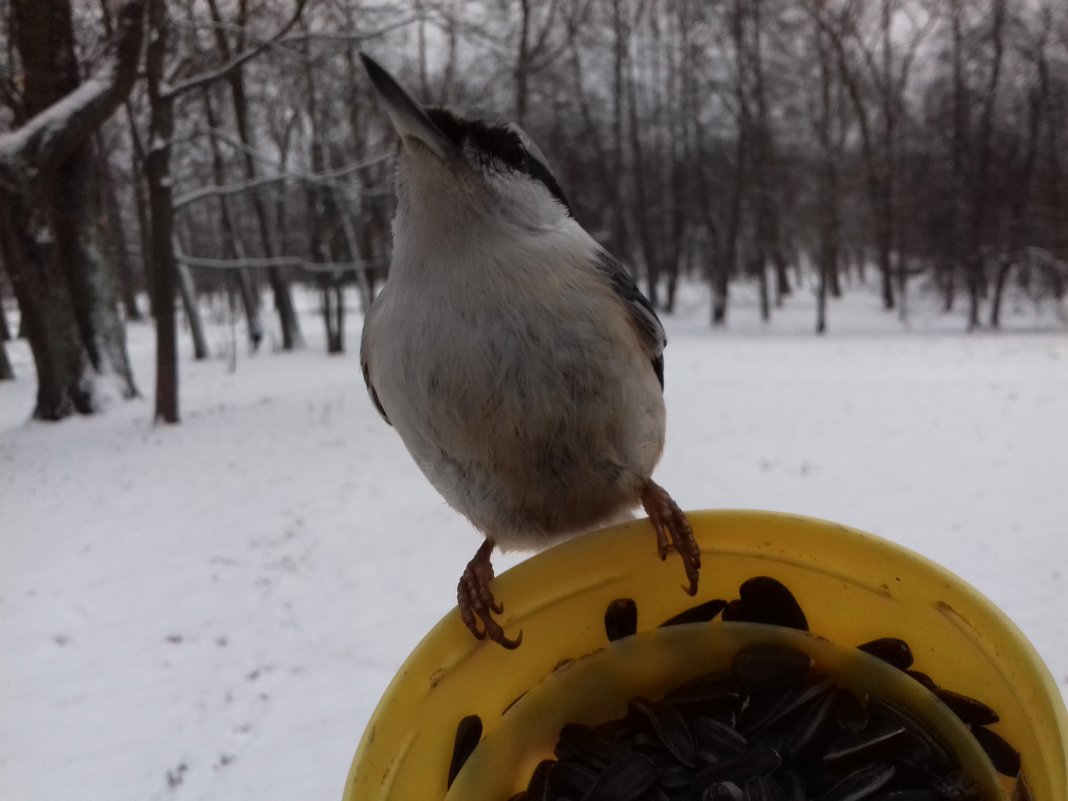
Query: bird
column 516, row 358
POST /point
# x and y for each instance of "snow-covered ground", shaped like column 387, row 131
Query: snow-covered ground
column 212, row 610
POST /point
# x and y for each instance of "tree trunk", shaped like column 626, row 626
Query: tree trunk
column 74, row 214
column 6, row 371
column 192, row 311
column 234, row 248
column 161, row 205
column 120, row 254
column 283, row 298
column 47, row 228
column 63, row 369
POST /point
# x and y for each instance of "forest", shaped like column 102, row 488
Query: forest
column 164, row 160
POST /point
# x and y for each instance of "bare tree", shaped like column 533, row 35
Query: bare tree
column 48, row 228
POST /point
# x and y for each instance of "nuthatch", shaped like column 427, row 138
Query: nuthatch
column 517, row 359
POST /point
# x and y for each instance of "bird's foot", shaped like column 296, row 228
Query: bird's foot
column 673, row 530
column 476, row 600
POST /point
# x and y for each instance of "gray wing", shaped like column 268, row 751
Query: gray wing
column 365, row 366
column 642, row 314
column 374, row 395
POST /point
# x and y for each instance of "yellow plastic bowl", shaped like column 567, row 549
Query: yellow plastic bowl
column 853, row 587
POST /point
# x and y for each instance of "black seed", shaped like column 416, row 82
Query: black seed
column 570, row 777
column 716, row 740
column 862, row 783
column 702, row 613
column 1021, row 792
column 620, row 619
column 793, row 785
column 736, row 612
column 849, row 711
column 763, row 668
column 707, row 695
column 917, row 747
column 967, row 709
column 766, row 600
column 871, row 742
column 624, row 780
column 722, row 791
column 677, row 777
column 468, row 733
column 739, row 768
column 908, row 795
column 1006, row 759
column 669, row 726
column 811, row 728
column 774, row 707
column 762, row 788
column 538, row 787
column 590, row 746
column 956, row 786
column 891, row 650
column 923, row 679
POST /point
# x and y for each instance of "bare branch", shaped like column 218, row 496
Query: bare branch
column 236, row 62
column 53, row 134
column 326, row 178
column 273, row 261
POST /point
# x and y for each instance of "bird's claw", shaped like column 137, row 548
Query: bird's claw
column 673, row 531
column 476, row 601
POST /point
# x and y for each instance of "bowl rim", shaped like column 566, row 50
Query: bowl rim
column 448, row 646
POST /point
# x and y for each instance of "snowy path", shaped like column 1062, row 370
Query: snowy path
column 213, row 610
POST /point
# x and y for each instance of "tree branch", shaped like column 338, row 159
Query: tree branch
column 236, row 62
column 47, row 139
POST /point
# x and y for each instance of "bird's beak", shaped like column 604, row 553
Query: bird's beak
column 407, row 116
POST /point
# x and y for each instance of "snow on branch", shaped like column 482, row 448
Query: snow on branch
column 51, row 136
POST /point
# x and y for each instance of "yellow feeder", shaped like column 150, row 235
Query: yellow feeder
column 854, row 587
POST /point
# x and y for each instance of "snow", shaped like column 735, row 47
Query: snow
column 213, row 610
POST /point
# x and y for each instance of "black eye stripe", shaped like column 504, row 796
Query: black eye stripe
column 500, row 143
column 539, row 172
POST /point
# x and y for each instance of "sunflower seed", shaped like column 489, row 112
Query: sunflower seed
column 765, row 668
column 967, row 709
column 468, row 733
column 762, row 788
column 891, row 650
column 766, row 600
column 722, row 791
column 1006, row 759
column 716, row 740
column 670, row 727
column 870, row 742
column 620, row 619
column 862, row 783
column 624, row 780
column 702, row 613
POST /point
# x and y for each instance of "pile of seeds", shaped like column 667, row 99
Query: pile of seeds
column 769, row 729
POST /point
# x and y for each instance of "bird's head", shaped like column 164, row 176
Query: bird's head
column 454, row 168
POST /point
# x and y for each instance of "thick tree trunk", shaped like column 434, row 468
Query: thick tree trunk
column 63, row 371
column 47, row 225
column 74, row 213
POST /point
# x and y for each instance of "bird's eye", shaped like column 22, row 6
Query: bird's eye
column 515, row 155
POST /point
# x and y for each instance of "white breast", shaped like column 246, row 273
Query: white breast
column 518, row 384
